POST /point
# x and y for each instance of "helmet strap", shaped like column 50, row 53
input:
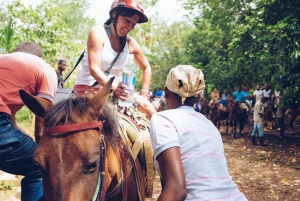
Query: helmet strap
column 114, row 22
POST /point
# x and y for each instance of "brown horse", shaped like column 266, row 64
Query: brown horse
column 237, row 115
column 217, row 115
column 82, row 154
column 204, row 107
column 291, row 115
column 270, row 113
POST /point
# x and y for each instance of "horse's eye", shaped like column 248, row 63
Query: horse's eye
column 91, row 168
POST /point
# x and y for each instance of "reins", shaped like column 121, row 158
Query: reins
column 56, row 130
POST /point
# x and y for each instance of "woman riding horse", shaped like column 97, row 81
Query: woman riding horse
column 108, row 49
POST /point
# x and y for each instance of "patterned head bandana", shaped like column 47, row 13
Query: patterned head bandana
column 186, row 81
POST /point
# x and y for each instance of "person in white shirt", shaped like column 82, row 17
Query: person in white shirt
column 257, row 93
column 267, row 92
column 188, row 148
column 258, row 118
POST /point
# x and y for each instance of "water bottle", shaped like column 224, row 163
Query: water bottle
column 129, row 79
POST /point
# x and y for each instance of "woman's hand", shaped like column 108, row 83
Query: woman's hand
column 121, row 92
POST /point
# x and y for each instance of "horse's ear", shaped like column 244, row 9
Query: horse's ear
column 39, row 106
column 98, row 100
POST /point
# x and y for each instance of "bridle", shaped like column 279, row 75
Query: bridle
column 99, row 191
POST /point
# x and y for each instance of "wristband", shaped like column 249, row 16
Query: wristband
column 145, row 90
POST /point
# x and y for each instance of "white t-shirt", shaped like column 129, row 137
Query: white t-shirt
column 202, row 153
column 257, row 94
column 258, row 108
column 266, row 93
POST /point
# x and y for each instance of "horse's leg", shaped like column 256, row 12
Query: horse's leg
column 231, row 125
column 242, row 124
column 227, row 123
column 292, row 120
column 241, row 127
column 234, row 127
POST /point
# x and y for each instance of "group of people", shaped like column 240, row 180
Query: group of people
column 241, row 95
column 257, row 102
column 188, row 149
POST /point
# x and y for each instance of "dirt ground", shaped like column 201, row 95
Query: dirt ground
column 262, row 173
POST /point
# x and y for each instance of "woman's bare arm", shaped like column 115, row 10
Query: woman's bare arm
column 139, row 57
column 95, row 44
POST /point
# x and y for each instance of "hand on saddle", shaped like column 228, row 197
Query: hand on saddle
column 144, row 106
column 144, row 94
column 121, row 92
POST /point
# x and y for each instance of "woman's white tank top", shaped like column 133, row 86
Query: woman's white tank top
column 108, row 54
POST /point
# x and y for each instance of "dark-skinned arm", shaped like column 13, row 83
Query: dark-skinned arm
column 172, row 174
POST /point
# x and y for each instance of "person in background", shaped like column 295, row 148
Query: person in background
column 105, row 43
column 23, row 69
column 163, row 106
column 280, row 114
column 257, row 93
column 224, row 99
column 278, row 95
column 61, row 66
column 215, row 96
column 258, row 118
column 159, row 92
column 188, row 148
column 239, row 97
column 247, row 96
column 267, row 92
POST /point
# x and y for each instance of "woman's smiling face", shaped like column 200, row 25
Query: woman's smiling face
column 126, row 24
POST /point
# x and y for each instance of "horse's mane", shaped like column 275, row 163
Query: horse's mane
column 67, row 111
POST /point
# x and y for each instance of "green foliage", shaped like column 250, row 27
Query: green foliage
column 23, row 114
column 59, row 27
column 7, row 34
column 233, row 42
column 248, row 43
column 162, row 44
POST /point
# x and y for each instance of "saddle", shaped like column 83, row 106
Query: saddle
column 135, row 126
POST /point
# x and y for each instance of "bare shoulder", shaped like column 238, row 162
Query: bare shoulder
column 97, row 30
column 96, row 37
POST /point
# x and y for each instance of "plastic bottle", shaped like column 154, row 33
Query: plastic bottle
column 129, row 79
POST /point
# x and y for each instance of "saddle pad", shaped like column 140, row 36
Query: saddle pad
column 141, row 149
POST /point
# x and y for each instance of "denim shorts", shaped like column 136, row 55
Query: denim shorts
column 9, row 138
column 258, row 128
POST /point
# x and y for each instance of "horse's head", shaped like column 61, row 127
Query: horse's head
column 70, row 161
column 214, row 106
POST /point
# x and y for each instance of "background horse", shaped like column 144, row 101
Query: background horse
column 82, row 158
column 204, row 107
column 291, row 115
column 237, row 115
column 217, row 115
column 270, row 113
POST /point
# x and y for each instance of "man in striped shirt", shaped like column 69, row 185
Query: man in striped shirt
column 188, row 149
